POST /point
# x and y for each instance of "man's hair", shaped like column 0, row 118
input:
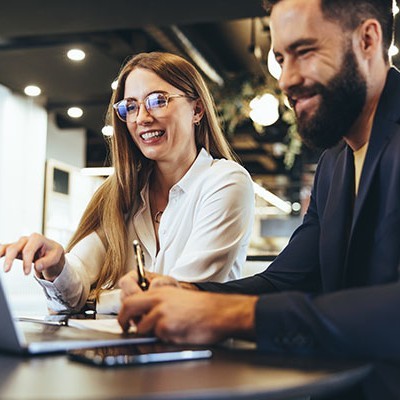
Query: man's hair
column 351, row 13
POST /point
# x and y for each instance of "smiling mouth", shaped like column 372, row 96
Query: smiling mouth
column 305, row 103
column 152, row 135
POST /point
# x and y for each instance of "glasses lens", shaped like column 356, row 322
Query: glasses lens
column 121, row 109
column 156, row 100
column 131, row 107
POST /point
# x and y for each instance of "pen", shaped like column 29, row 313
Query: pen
column 142, row 281
column 42, row 321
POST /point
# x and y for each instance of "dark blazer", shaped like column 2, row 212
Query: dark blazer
column 335, row 288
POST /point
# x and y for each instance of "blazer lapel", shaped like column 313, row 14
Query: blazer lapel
column 335, row 229
column 385, row 125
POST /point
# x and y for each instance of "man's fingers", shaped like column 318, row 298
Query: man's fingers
column 128, row 285
column 148, row 322
column 135, row 307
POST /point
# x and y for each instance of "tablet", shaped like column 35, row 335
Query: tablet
column 137, row 354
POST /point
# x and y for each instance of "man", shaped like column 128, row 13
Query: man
column 335, row 288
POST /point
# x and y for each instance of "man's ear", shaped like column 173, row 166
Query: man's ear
column 370, row 39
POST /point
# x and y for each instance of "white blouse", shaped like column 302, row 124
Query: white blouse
column 204, row 233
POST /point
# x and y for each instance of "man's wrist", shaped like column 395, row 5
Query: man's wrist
column 242, row 316
column 188, row 286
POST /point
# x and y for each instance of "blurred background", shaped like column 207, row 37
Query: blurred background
column 58, row 62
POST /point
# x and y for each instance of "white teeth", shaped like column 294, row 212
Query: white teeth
column 151, row 135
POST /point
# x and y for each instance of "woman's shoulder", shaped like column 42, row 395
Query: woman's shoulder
column 227, row 174
column 223, row 167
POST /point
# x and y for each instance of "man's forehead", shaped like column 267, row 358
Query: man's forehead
column 293, row 20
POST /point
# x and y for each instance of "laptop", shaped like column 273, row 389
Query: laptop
column 39, row 336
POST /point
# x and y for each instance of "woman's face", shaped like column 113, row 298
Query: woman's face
column 164, row 134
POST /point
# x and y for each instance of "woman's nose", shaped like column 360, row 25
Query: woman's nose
column 143, row 116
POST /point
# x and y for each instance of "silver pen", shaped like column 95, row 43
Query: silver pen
column 61, row 322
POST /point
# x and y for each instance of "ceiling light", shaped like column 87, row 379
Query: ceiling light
column 273, row 67
column 75, row 112
column 114, row 85
column 76, row 54
column 393, row 50
column 395, row 8
column 107, row 130
column 264, row 109
column 296, row 206
column 32, row 90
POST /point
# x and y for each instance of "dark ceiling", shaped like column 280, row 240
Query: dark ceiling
column 36, row 35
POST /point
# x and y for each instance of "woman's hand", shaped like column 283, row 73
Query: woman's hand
column 47, row 256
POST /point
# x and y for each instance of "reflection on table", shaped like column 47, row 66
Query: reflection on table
column 231, row 374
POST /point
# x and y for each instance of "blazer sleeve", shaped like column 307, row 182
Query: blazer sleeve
column 359, row 321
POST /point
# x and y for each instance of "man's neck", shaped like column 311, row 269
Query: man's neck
column 361, row 129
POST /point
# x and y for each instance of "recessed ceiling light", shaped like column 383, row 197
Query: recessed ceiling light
column 107, row 130
column 32, row 90
column 76, row 54
column 75, row 112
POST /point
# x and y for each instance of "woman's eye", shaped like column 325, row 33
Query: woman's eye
column 156, row 101
column 131, row 107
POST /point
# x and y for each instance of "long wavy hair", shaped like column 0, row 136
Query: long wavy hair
column 118, row 198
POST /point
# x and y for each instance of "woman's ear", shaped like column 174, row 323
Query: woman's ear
column 198, row 111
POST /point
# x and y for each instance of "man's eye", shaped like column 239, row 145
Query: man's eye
column 304, row 51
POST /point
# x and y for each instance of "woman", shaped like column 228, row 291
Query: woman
column 175, row 189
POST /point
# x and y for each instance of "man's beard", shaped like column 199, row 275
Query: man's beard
column 341, row 102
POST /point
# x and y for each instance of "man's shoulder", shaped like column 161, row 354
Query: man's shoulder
column 332, row 154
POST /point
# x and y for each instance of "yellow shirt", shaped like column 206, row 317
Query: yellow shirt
column 359, row 157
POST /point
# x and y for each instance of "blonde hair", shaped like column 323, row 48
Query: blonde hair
column 119, row 197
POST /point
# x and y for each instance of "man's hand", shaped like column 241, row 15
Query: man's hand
column 184, row 316
column 47, row 256
column 129, row 286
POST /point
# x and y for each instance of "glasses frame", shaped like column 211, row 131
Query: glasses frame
column 168, row 96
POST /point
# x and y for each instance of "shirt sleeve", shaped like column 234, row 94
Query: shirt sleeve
column 223, row 222
column 69, row 291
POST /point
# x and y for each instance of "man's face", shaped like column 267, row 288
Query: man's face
column 320, row 73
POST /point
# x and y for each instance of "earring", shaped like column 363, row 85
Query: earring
column 197, row 123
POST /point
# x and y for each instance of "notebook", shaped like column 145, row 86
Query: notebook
column 34, row 336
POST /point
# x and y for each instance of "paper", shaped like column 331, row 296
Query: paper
column 110, row 325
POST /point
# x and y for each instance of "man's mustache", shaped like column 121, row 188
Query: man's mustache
column 297, row 92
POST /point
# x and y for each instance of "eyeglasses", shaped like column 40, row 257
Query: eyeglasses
column 155, row 103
